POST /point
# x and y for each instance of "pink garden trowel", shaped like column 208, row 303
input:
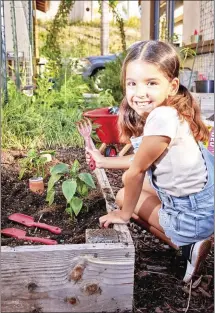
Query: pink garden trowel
column 29, row 222
column 21, row 235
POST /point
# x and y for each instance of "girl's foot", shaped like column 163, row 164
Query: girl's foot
column 195, row 254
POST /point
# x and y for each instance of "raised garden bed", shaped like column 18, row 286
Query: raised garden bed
column 94, row 276
column 35, row 278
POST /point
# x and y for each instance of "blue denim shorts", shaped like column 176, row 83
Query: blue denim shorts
column 188, row 219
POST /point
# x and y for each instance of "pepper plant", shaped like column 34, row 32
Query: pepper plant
column 75, row 186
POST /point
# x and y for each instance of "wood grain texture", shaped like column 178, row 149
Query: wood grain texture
column 44, row 278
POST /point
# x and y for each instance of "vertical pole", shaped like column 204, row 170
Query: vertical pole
column 3, row 54
column 170, row 6
column 34, row 39
column 156, row 19
column 15, row 45
column 30, row 23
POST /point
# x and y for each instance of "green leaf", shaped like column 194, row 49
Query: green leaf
column 21, row 173
column 53, row 179
column 82, row 189
column 52, row 152
column 87, row 178
column 69, row 188
column 60, row 168
column 50, row 196
column 76, row 204
column 32, row 154
column 75, row 167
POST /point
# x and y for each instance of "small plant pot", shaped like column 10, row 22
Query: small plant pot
column 36, row 185
column 195, row 38
column 205, row 86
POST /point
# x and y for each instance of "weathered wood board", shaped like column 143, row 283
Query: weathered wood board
column 67, row 278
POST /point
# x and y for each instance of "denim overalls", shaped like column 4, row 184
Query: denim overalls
column 186, row 219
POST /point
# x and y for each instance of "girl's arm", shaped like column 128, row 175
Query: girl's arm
column 122, row 162
column 149, row 151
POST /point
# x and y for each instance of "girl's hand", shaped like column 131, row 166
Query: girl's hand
column 115, row 216
column 96, row 155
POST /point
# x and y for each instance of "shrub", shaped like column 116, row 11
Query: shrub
column 110, row 79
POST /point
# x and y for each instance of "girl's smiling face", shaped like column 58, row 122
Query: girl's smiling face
column 147, row 87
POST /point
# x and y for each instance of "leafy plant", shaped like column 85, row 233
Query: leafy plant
column 110, row 80
column 47, row 119
column 51, row 48
column 105, row 99
column 34, row 162
column 75, row 186
column 133, row 22
column 186, row 52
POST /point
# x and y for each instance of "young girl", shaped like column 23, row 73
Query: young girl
column 164, row 124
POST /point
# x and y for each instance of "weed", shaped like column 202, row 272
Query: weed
column 34, row 162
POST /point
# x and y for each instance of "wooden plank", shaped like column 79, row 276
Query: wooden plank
column 125, row 149
column 206, row 46
column 67, row 278
column 111, row 205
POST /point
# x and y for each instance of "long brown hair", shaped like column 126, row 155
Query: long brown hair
column 165, row 57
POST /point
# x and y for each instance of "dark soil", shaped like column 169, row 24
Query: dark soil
column 159, row 269
column 17, row 198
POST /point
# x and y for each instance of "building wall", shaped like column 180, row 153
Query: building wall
column 145, row 20
column 81, row 11
column 89, row 10
column 198, row 15
column 191, row 19
column 21, row 28
column 204, row 63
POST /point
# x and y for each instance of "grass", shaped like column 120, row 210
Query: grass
column 48, row 118
column 83, row 39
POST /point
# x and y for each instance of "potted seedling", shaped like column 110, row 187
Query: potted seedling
column 195, row 38
column 34, row 163
column 75, row 186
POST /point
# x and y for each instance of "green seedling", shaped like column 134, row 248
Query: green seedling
column 75, row 186
column 34, row 163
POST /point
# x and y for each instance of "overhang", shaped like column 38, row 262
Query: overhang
column 42, row 5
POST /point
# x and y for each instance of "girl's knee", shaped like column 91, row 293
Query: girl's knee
column 120, row 197
column 123, row 177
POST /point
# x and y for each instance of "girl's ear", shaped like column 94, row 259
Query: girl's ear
column 174, row 87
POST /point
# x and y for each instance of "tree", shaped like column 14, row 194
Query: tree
column 104, row 27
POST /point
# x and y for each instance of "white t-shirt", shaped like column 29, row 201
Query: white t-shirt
column 181, row 169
